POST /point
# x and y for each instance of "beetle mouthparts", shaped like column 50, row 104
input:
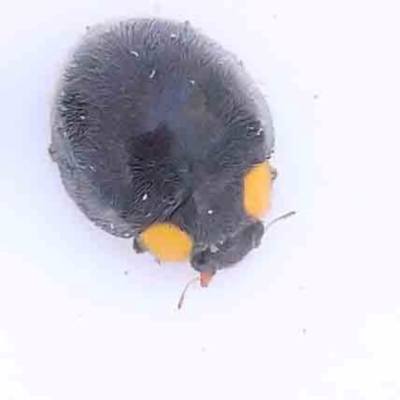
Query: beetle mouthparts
column 205, row 277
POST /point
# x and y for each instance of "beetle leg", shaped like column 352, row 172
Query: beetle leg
column 274, row 172
column 138, row 247
column 52, row 153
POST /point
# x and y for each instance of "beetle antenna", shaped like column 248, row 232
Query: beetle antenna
column 280, row 218
column 182, row 298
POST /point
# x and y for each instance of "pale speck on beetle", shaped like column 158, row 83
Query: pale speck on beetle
column 210, row 212
column 153, row 74
column 135, row 53
column 214, row 249
column 145, row 197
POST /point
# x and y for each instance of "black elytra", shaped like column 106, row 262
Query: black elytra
column 155, row 122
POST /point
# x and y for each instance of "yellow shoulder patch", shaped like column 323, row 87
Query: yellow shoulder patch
column 257, row 190
column 167, row 242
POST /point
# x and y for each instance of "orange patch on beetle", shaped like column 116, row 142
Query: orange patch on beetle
column 257, row 190
column 167, row 242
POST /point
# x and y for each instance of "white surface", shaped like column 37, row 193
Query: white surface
column 313, row 314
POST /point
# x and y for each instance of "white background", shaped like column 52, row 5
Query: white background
column 313, row 314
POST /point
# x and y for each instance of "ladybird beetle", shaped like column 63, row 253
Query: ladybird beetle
column 160, row 135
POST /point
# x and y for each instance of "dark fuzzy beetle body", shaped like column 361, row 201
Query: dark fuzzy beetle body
column 156, row 123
